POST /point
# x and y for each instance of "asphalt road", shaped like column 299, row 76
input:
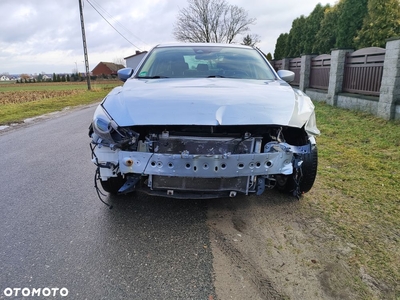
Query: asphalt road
column 56, row 234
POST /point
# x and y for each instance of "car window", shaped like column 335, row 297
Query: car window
column 213, row 61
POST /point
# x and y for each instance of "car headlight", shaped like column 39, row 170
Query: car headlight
column 103, row 125
column 104, row 130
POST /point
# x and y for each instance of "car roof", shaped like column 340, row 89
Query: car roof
column 202, row 45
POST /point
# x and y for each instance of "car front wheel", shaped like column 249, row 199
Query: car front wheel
column 286, row 183
column 113, row 184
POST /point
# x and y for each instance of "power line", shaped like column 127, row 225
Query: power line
column 112, row 25
column 116, row 21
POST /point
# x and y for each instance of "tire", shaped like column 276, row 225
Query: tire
column 113, row 184
column 285, row 183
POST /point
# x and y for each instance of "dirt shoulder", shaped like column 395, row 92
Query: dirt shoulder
column 271, row 247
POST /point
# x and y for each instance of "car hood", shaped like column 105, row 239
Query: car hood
column 208, row 101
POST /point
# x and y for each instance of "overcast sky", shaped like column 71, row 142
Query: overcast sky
column 45, row 35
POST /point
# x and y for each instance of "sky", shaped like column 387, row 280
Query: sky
column 44, row 36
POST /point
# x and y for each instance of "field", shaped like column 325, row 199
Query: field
column 357, row 191
column 21, row 101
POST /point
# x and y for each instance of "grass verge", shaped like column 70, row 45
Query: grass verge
column 358, row 189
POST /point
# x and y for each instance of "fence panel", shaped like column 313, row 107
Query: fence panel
column 277, row 64
column 295, row 66
column 363, row 71
column 319, row 74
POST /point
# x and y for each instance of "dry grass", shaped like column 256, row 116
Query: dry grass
column 358, row 189
column 21, row 101
column 14, row 97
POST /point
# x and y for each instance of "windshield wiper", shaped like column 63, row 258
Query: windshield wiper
column 152, row 77
column 215, row 76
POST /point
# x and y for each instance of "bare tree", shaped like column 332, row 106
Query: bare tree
column 211, row 21
column 119, row 61
column 251, row 40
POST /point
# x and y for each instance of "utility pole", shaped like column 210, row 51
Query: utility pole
column 84, row 46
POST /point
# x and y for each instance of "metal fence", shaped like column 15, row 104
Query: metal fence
column 363, row 71
column 367, row 79
column 319, row 73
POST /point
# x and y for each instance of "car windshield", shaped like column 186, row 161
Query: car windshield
column 205, row 61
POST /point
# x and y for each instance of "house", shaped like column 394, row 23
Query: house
column 4, row 78
column 133, row 60
column 106, row 68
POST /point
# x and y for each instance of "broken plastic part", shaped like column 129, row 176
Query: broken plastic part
column 129, row 185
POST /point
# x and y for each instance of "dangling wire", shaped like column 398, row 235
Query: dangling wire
column 297, row 176
column 97, row 177
column 236, row 146
column 98, row 191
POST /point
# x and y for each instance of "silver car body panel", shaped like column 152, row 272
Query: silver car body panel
column 210, row 101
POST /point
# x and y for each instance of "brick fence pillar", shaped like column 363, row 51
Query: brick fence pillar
column 336, row 75
column 305, row 72
column 390, row 85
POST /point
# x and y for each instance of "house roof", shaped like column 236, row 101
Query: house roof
column 137, row 53
column 112, row 66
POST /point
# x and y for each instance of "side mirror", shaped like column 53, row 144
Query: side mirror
column 124, row 74
column 286, row 75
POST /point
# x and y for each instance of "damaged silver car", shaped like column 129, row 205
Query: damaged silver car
column 204, row 121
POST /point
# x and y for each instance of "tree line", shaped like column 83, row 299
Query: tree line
column 74, row 77
column 351, row 24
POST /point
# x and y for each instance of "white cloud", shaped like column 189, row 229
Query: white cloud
column 45, row 35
